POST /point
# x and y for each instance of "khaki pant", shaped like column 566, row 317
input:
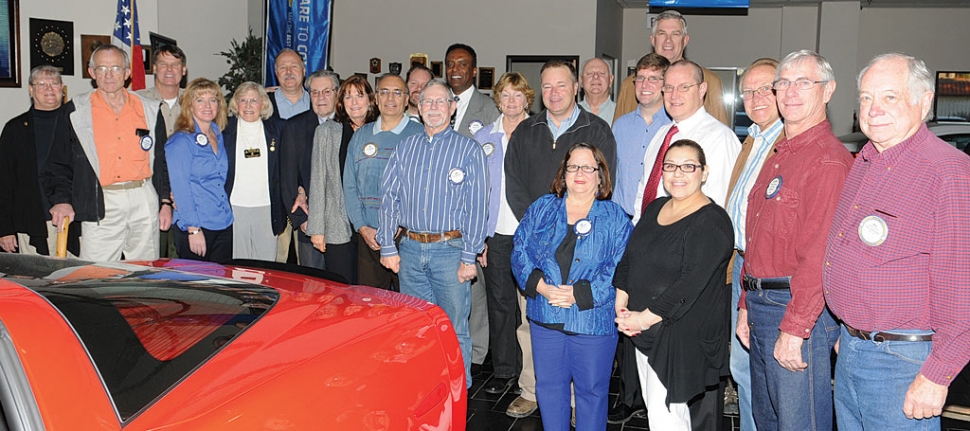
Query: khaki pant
column 129, row 226
column 24, row 247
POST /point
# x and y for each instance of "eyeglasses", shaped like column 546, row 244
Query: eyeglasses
column 686, row 168
column 384, row 92
column 249, row 101
column 683, row 88
column 325, row 92
column 763, row 91
column 428, row 103
column 800, row 83
column 47, row 84
column 585, row 169
column 650, row 79
column 101, row 70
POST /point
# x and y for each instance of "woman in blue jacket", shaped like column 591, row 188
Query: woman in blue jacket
column 566, row 249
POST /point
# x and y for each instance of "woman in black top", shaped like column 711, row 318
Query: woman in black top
column 671, row 296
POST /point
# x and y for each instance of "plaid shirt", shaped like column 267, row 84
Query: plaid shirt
column 911, row 270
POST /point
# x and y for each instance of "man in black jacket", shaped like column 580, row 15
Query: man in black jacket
column 24, row 145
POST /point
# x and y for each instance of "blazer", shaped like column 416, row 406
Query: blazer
column 481, row 108
column 273, row 130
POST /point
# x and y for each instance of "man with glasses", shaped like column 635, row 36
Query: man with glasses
column 783, row 318
column 435, row 187
column 683, row 93
column 535, row 152
column 110, row 171
column 597, row 80
column 366, row 159
column 765, row 132
column 27, row 139
column 296, row 153
column 168, row 68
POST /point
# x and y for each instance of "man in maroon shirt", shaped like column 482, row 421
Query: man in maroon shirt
column 790, row 333
column 895, row 269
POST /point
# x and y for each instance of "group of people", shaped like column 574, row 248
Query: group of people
column 641, row 232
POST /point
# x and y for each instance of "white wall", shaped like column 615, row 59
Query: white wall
column 202, row 29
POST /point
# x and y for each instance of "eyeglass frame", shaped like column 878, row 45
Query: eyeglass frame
column 683, row 88
column 801, row 84
column 572, row 169
column 763, row 91
column 683, row 168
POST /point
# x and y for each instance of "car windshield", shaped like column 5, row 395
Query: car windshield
column 144, row 328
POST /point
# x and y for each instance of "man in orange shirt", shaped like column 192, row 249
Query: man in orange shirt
column 110, row 171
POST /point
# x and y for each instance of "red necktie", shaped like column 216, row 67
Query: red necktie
column 650, row 191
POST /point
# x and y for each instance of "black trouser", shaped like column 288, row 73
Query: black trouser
column 707, row 409
column 339, row 258
column 626, row 360
column 218, row 245
column 503, row 307
column 370, row 272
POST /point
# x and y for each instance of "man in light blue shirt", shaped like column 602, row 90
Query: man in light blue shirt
column 435, row 187
column 635, row 131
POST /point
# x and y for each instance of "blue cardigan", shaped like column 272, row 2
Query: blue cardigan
column 540, row 232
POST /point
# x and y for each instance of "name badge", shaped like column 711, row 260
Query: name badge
column 475, row 126
column 583, row 227
column 773, row 187
column 251, row 153
column 146, row 142
column 873, row 230
column 456, row 175
column 370, row 150
column 201, row 139
column 489, row 148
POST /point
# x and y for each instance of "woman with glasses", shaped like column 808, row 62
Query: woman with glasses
column 671, row 298
column 356, row 103
column 565, row 251
column 253, row 183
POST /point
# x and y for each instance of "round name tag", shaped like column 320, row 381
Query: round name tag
column 201, row 139
column 773, row 187
column 456, row 175
column 489, row 148
column 146, row 142
column 370, row 150
column 582, row 227
column 475, row 126
column 873, row 230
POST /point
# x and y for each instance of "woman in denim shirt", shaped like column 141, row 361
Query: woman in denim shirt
column 566, row 250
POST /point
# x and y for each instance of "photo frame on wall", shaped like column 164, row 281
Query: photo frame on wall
column 52, row 42
column 418, row 58
column 436, row 68
column 90, row 42
column 486, row 78
column 146, row 52
column 9, row 43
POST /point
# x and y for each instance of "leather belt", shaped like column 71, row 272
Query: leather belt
column 751, row 283
column 127, row 185
column 740, row 252
column 434, row 237
column 886, row 336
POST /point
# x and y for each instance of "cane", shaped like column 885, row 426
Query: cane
column 62, row 238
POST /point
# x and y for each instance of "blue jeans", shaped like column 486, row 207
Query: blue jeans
column 740, row 364
column 782, row 399
column 430, row 272
column 871, row 380
column 584, row 360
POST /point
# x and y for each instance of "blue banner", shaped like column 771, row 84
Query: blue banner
column 301, row 25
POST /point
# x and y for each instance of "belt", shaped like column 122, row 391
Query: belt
column 125, row 185
column 434, row 237
column 751, row 283
column 886, row 336
column 740, row 252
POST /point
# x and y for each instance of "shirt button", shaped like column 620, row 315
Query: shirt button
column 840, row 234
column 856, row 207
column 776, row 166
column 577, row 260
column 828, row 263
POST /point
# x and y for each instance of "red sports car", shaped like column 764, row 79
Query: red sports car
column 182, row 345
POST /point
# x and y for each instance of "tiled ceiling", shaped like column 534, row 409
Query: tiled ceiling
column 862, row 3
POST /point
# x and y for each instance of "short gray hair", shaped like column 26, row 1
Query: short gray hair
column 46, row 70
column 322, row 73
column 920, row 79
column 609, row 67
column 790, row 60
column 109, row 47
column 437, row 83
column 670, row 14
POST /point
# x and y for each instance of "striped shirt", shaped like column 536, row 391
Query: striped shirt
column 737, row 206
column 897, row 256
column 432, row 185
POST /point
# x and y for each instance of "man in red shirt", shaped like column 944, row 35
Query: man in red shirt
column 789, row 211
column 895, row 269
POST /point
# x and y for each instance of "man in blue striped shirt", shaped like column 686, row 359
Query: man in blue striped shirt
column 435, row 187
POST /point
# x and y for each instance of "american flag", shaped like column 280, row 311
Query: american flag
column 127, row 37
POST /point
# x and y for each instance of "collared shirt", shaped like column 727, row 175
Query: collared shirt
column 791, row 206
column 607, row 110
column 463, row 100
column 120, row 154
column 288, row 109
column 170, row 108
column 557, row 131
column 198, row 178
column 362, row 170
column 501, row 220
column 633, row 135
column 737, row 206
column 324, row 119
column 898, row 252
column 432, row 185
column 721, row 147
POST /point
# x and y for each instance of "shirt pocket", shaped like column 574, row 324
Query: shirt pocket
column 783, row 206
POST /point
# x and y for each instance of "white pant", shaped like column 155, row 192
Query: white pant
column 129, row 226
column 677, row 418
column 24, row 247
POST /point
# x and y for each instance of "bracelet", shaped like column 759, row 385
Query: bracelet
column 197, row 231
column 166, row 203
column 642, row 328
